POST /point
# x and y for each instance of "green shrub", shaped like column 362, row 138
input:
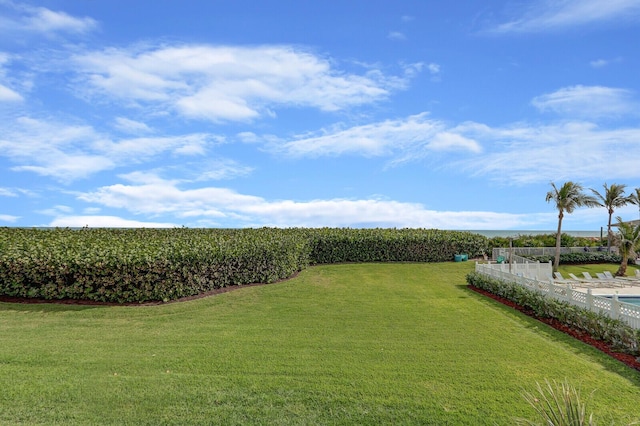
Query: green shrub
column 339, row 245
column 139, row 265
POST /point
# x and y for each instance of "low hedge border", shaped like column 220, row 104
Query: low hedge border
column 616, row 333
column 580, row 258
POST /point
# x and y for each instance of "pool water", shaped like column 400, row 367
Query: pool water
column 633, row 300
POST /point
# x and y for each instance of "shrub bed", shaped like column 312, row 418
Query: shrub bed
column 139, row 265
column 615, row 332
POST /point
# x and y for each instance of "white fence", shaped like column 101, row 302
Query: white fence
column 612, row 307
column 545, row 251
column 520, row 267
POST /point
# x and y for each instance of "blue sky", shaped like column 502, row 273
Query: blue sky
column 422, row 113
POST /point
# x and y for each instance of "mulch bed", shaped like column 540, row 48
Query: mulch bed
column 627, row 359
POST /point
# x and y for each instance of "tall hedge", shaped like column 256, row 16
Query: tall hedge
column 139, row 265
column 335, row 245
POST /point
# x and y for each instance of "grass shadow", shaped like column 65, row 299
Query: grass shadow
column 47, row 307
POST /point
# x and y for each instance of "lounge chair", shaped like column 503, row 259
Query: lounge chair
column 600, row 282
column 583, row 282
column 573, row 277
column 558, row 279
column 611, row 279
column 627, row 280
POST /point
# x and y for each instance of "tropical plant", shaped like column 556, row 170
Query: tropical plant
column 557, row 404
column 567, row 199
column 629, row 243
column 635, row 199
column 614, row 197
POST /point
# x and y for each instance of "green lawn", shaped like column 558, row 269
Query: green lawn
column 351, row 344
column 592, row 269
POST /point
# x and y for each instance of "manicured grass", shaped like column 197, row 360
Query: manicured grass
column 342, row 344
column 593, row 268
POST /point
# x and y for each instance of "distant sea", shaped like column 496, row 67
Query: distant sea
column 515, row 233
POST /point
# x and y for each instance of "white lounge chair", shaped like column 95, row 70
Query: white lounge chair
column 600, row 282
column 628, row 280
column 611, row 279
column 582, row 282
column 558, row 279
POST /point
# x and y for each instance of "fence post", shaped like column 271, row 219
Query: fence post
column 615, row 307
column 589, row 300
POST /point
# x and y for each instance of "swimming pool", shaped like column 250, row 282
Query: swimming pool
column 634, row 300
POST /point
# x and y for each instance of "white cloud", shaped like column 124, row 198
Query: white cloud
column 56, row 210
column 105, row 222
column 573, row 150
column 157, row 197
column 131, row 126
column 601, row 63
column 545, row 15
column 23, row 18
column 447, row 141
column 67, row 167
column 50, row 149
column 588, row 102
column 409, row 138
column 223, row 168
column 71, row 151
column 226, row 83
column 8, row 218
column 396, row 35
column 248, row 137
column 433, row 68
column 5, row 192
column 8, row 95
column 44, row 20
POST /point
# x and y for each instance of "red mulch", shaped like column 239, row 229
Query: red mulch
column 627, row 359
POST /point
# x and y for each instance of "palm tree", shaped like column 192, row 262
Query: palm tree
column 635, row 199
column 567, row 199
column 613, row 198
column 629, row 242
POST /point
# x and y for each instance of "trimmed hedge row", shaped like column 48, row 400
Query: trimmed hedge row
column 580, row 258
column 336, row 245
column 139, row 265
column 599, row 326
